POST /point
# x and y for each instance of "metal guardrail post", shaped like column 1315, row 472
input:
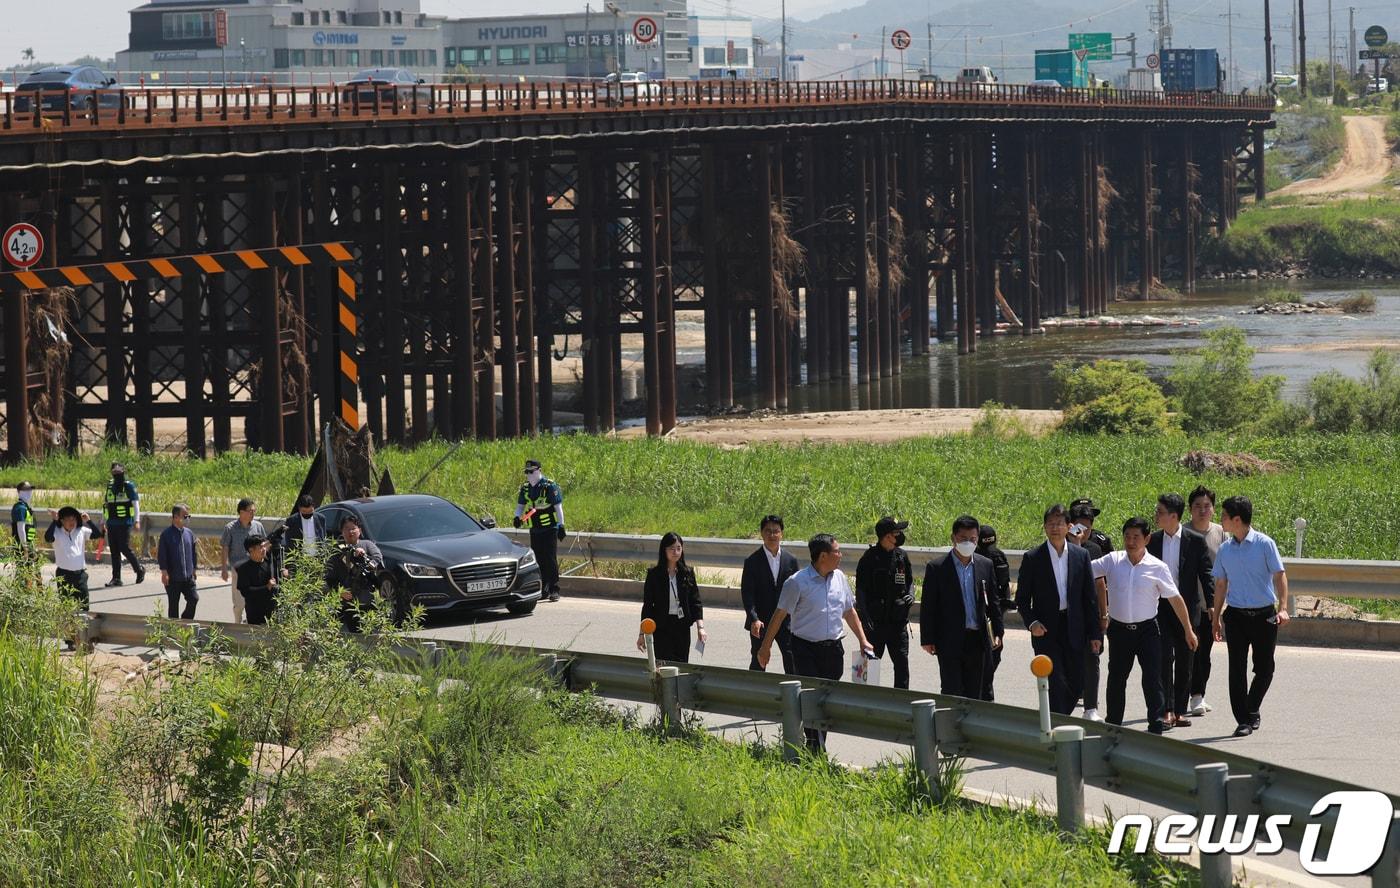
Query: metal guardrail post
column 1300, row 530
column 1212, row 798
column 1069, row 777
column 429, row 654
column 926, row 743
column 85, row 639
column 790, row 696
column 668, row 680
column 1386, row 872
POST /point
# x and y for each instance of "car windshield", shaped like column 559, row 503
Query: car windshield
column 427, row 519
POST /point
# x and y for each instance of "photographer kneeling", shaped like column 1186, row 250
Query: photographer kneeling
column 352, row 570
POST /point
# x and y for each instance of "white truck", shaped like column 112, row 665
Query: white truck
column 977, row 74
column 1143, row 80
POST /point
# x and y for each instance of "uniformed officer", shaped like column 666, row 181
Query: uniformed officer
column 1097, row 537
column 22, row 525
column 884, row 595
column 122, row 506
column 540, row 505
column 1001, row 568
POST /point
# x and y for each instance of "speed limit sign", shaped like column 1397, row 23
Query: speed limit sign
column 1153, row 62
column 901, row 40
column 644, row 29
column 23, row 245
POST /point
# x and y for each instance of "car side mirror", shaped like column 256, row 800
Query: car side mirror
column 421, row 80
column 488, row 522
column 111, row 81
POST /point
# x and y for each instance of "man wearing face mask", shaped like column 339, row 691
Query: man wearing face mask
column 540, row 505
column 959, row 621
column 885, row 594
column 122, row 506
column 22, row 525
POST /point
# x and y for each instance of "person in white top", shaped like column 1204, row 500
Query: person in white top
column 1130, row 583
column 1201, row 502
column 69, row 532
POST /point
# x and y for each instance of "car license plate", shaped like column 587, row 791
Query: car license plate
column 487, row 585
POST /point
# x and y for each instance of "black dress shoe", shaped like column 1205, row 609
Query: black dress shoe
column 1254, row 723
column 1158, row 728
column 113, row 582
column 553, row 596
column 1243, row 731
column 140, row 577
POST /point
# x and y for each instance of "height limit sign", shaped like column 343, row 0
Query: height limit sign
column 22, row 245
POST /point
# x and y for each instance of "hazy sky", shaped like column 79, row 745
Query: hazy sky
column 61, row 30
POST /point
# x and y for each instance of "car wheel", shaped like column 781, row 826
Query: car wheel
column 392, row 591
column 522, row 608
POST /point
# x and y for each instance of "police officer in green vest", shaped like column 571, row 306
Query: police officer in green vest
column 540, row 505
column 122, row 506
column 22, row 519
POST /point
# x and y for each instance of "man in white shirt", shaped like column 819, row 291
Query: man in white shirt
column 1130, row 584
column 69, row 531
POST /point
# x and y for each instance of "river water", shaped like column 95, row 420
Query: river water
column 1015, row 370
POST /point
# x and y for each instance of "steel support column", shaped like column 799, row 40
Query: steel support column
column 459, row 297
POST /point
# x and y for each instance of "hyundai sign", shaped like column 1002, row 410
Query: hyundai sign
column 334, row 38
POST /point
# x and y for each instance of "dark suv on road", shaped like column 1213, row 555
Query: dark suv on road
column 439, row 557
column 84, row 86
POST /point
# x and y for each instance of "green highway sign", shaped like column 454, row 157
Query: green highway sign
column 1099, row 46
column 1375, row 36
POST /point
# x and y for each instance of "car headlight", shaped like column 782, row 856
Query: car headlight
column 528, row 559
column 422, row 571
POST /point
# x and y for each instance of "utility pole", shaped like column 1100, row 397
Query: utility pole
column 1331, row 51
column 1229, row 16
column 965, row 50
column 782, row 61
column 588, row 41
column 1268, row 51
column 1302, row 51
column 1351, row 43
column 1293, row 37
column 929, row 63
column 883, row 70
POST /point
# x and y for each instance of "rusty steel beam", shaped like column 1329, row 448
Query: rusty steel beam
column 646, row 211
column 525, row 293
column 666, row 294
column 460, row 295
column 484, row 291
column 508, row 358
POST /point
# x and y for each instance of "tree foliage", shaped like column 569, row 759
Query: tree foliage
column 1110, row 397
column 1214, row 387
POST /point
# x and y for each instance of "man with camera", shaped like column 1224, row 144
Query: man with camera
column 352, row 570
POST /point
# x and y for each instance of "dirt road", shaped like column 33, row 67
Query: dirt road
column 1365, row 162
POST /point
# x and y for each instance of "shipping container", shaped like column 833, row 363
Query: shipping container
column 1190, row 70
column 1061, row 66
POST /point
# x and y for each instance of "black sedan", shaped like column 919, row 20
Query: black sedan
column 386, row 86
column 439, row 557
column 80, row 88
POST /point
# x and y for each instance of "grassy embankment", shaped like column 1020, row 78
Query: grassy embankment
column 1346, row 236
column 314, row 764
column 1346, row 486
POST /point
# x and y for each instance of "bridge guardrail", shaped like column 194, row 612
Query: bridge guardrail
column 224, row 105
column 1157, row 770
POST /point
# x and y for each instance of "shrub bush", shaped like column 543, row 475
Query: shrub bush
column 1110, row 397
column 1214, row 388
column 1371, row 404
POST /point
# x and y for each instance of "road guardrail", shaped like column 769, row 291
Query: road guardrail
column 1159, row 770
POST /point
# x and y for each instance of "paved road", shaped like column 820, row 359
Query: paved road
column 1331, row 712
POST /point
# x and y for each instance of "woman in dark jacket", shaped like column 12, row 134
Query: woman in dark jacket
column 671, row 598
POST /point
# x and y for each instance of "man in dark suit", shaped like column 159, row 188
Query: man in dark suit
column 303, row 531
column 959, row 603
column 765, row 571
column 1055, row 596
column 1188, row 558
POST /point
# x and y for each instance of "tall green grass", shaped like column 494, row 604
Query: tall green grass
column 1355, row 235
column 1346, row 486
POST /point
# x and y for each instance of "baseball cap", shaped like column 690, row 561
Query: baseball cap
column 987, row 535
column 1079, row 512
column 1086, row 503
column 24, row 485
column 532, row 465
column 887, row 524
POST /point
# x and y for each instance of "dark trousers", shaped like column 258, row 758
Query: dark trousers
column 119, row 543
column 896, row 641
column 672, row 639
column 174, row 591
column 545, row 544
column 1128, row 642
column 1200, row 666
column 818, row 659
column 1092, row 672
column 782, row 641
column 1247, row 629
column 259, row 608
column 1067, row 678
column 1177, row 658
column 960, row 672
column 988, row 693
column 74, row 584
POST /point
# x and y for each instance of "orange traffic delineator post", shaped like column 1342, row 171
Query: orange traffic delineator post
column 1041, row 667
column 648, row 630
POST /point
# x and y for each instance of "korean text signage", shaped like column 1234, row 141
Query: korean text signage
column 1099, row 45
column 221, row 27
column 1376, row 36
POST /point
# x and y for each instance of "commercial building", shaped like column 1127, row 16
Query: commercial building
column 590, row 43
column 284, row 41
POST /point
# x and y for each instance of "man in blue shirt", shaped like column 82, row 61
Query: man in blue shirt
column 1252, row 590
column 819, row 600
column 175, row 553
